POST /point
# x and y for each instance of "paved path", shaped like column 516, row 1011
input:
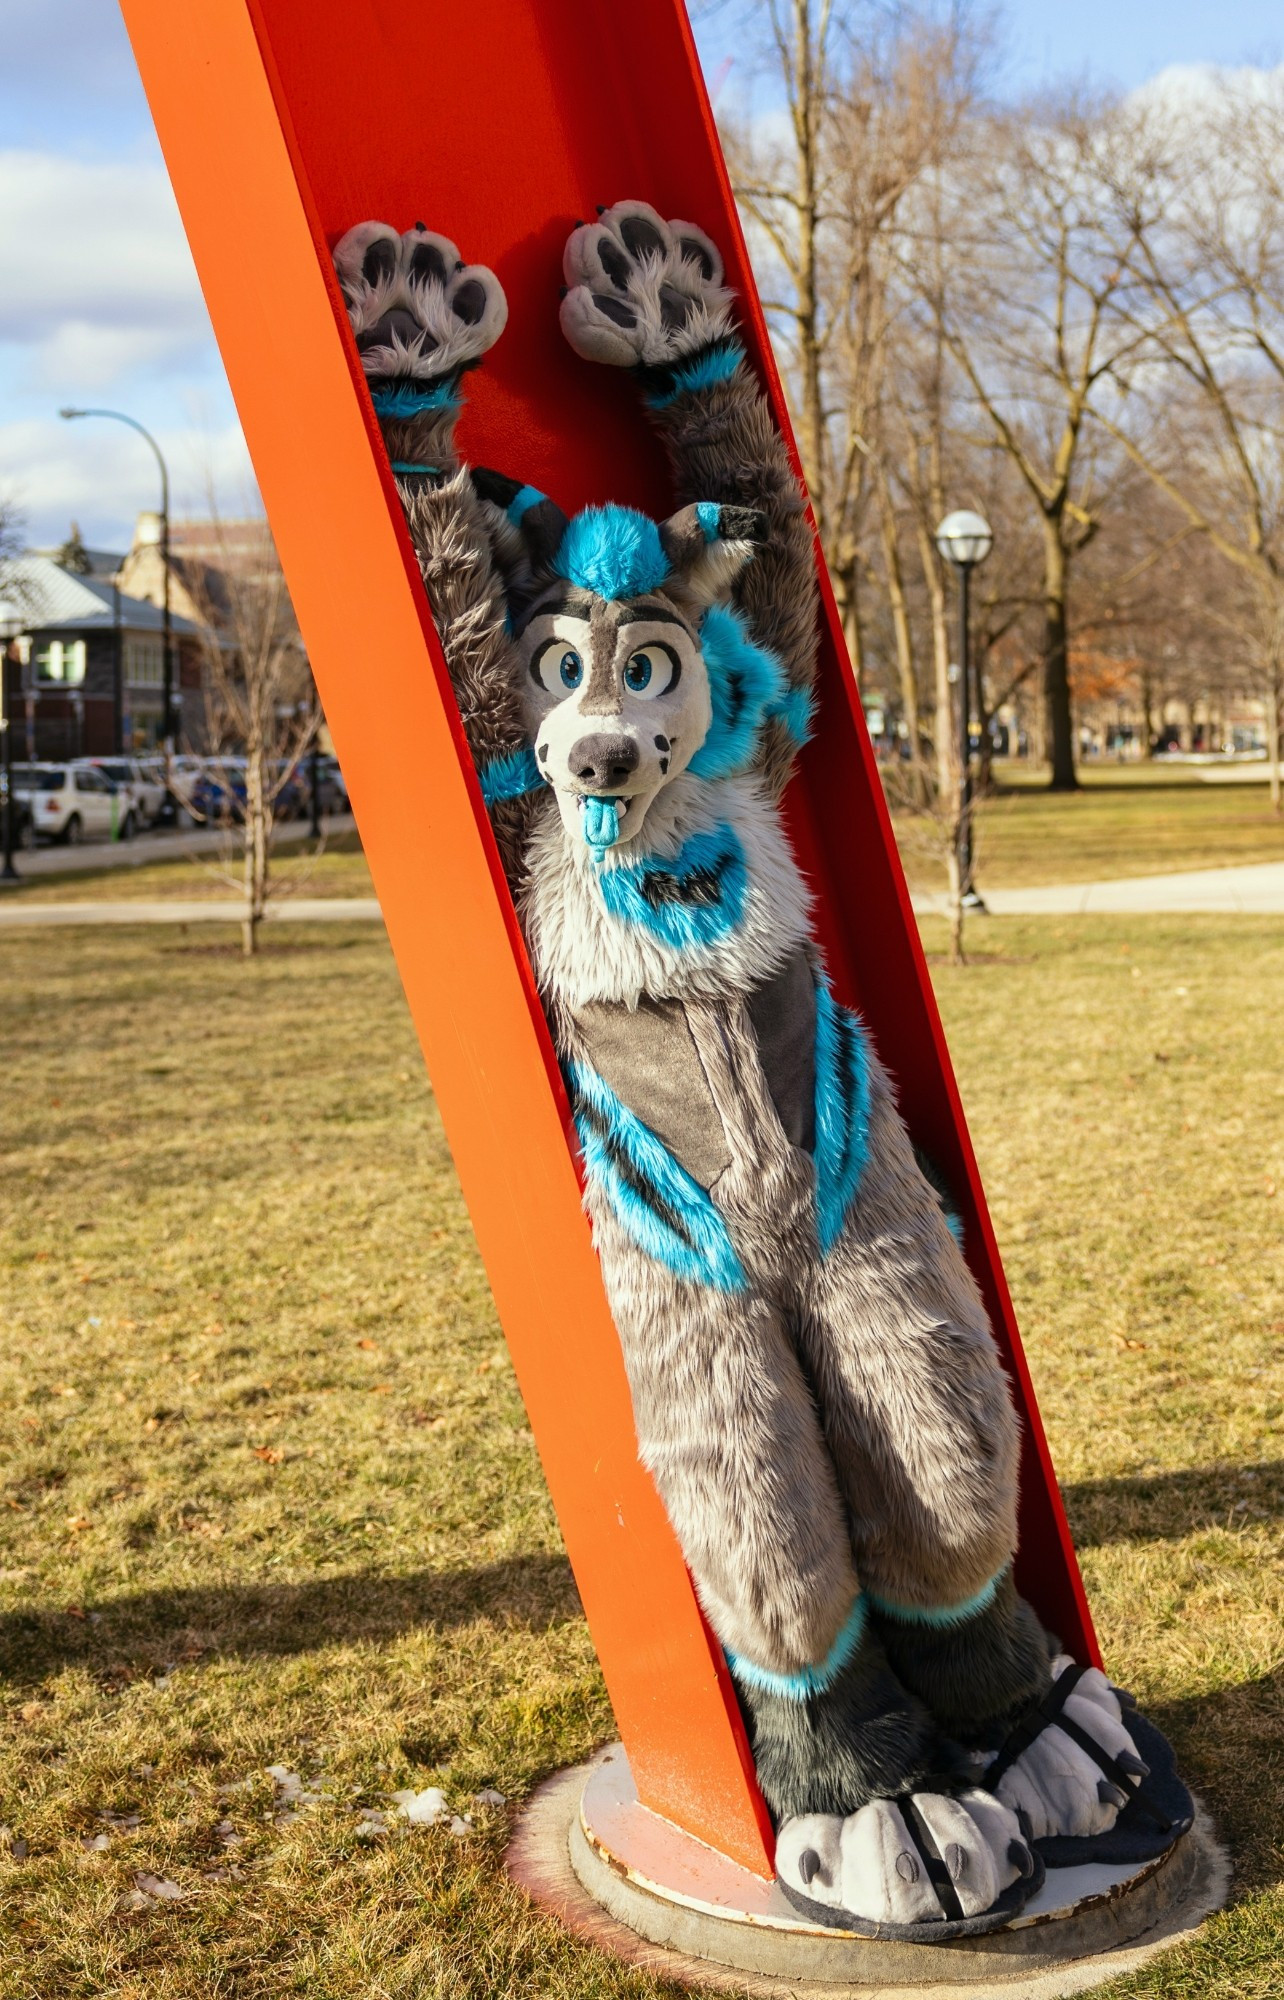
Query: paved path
column 93, row 855
column 214, row 910
column 1254, row 890
column 1257, row 890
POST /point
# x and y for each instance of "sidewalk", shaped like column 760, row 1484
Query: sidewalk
column 1256, row 890
column 95, row 855
column 220, row 910
column 1252, row 891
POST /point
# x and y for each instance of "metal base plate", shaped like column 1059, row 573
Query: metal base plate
column 587, row 1848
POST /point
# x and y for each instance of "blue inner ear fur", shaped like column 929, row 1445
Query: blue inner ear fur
column 746, row 685
column 614, row 551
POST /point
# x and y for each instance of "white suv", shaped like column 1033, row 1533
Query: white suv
column 69, row 802
column 145, row 788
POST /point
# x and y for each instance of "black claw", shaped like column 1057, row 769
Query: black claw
column 1111, row 1795
column 809, row 1864
column 1021, row 1858
column 459, row 263
column 422, row 227
column 601, row 208
column 580, row 223
column 563, row 291
column 1128, row 1761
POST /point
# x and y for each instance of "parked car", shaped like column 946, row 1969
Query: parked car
column 146, row 788
column 71, row 803
column 217, row 792
column 23, row 831
column 330, row 782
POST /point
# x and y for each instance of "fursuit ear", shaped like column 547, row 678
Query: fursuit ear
column 707, row 546
column 526, row 526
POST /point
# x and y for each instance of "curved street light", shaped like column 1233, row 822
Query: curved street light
column 167, row 696
column 965, row 539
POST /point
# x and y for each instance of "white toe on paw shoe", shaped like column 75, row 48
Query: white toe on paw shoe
column 925, row 1860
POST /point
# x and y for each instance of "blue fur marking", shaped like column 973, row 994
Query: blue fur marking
column 795, row 709
column 692, row 900
column 705, row 371
column 954, row 1223
column 403, row 465
column 656, row 1202
column 842, row 1112
column 811, row 1679
column 510, row 777
column 408, row 400
column 746, row 684
column 942, row 1615
column 521, row 503
column 709, row 513
column 614, row 551
column 601, row 822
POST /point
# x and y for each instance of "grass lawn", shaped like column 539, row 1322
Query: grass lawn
column 270, row 1497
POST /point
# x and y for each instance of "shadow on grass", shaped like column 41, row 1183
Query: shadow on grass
column 1227, row 1743
column 123, row 1637
column 1171, row 1505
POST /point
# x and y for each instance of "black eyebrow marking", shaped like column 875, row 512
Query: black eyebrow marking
column 641, row 617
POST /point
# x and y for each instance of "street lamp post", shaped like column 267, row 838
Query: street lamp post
column 965, row 539
column 167, row 696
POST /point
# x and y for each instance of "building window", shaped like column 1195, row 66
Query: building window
column 144, row 660
column 61, row 660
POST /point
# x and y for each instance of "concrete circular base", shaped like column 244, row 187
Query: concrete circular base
column 640, row 1887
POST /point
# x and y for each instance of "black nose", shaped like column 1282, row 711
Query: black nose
column 602, row 761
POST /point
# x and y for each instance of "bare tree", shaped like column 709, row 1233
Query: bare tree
column 1208, row 296
column 259, row 698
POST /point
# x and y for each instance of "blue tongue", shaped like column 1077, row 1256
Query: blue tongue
column 601, row 824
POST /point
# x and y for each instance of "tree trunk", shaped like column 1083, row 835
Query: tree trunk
column 1056, row 661
column 903, row 632
column 1274, row 730
column 846, row 577
column 1147, row 708
column 945, row 735
column 954, row 903
column 256, row 848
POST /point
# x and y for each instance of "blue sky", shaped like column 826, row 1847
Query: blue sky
column 101, row 304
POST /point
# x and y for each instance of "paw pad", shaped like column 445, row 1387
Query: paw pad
column 641, row 291
column 416, row 308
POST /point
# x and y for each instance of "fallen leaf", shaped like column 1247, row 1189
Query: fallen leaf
column 1121, row 1340
column 78, row 1611
column 385, row 1388
column 371, row 1346
column 268, row 1453
column 75, row 1525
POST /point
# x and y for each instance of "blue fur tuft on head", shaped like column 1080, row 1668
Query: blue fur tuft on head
column 614, row 551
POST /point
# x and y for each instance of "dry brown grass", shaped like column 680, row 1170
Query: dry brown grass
column 270, row 1496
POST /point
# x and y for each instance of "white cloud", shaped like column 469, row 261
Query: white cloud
column 102, row 476
column 94, row 250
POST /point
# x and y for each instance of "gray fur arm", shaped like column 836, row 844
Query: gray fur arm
column 724, row 446
column 421, row 317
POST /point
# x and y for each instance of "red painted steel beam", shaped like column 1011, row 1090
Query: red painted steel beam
column 500, row 123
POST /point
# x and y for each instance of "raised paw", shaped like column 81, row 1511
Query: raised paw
column 1058, row 1784
column 926, row 1859
column 416, row 308
column 641, row 290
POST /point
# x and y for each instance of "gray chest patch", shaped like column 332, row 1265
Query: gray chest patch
column 649, row 1058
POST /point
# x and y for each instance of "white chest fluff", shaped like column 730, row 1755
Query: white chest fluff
column 708, row 900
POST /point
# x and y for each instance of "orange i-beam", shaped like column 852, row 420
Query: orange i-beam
column 499, row 123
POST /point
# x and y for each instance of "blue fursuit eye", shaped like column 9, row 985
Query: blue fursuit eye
column 557, row 667
column 651, row 671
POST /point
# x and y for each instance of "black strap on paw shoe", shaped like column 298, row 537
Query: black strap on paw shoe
column 1052, row 1710
column 933, row 1860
